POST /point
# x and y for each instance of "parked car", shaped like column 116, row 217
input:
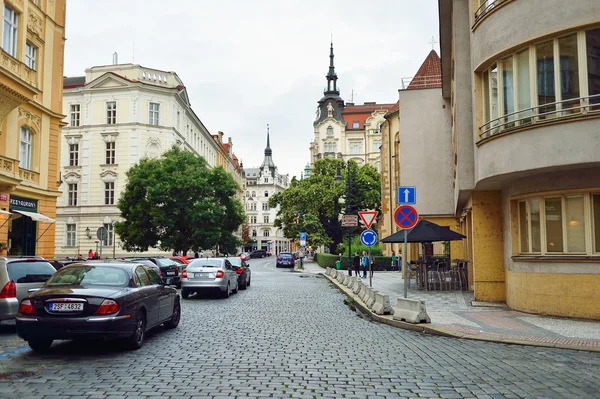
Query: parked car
column 209, row 274
column 244, row 256
column 258, row 253
column 163, row 266
column 17, row 277
column 98, row 300
column 285, row 259
column 182, row 262
column 242, row 269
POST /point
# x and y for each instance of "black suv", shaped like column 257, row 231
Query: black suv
column 164, row 267
column 259, row 253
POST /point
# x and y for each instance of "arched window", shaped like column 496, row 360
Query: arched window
column 253, row 194
column 25, row 148
column 253, row 233
column 266, row 233
column 329, row 131
column 266, row 193
column 247, row 193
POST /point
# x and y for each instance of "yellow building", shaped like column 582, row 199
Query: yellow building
column 390, row 169
column 31, row 70
column 523, row 107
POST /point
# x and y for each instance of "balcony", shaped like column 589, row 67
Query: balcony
column 9, row 173
column 29, row 176
column 422, row 82
column 487, row 7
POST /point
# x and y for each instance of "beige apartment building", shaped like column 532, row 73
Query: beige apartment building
column 31, row 70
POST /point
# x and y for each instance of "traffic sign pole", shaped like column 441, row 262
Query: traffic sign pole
column 370, row 270
column 404, row 263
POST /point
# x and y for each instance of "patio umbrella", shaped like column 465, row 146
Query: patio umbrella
column 425, row 231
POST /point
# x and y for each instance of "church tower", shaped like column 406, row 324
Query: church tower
column 331, row 104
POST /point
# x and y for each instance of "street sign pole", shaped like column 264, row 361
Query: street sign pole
column 101, row 242
column 370, row 270
column 404, row 263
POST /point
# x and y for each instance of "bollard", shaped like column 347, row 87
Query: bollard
column 382, row 304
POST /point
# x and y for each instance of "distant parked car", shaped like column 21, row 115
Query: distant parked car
column 242, row 269
column 17, row 277
column 244, row 256
column 285, row 259
column 182, row 262
column 258, row 253
column 209, row 274
column 98, row 300
column 163, row 266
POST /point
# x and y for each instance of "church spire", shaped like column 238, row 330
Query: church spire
column 331, row 75
column 268, row 160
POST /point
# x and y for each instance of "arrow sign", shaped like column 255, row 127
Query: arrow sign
column 368, row 238
column 368, row 217
column 407, row 195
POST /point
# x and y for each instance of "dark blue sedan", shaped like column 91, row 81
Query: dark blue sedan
column 285, row 259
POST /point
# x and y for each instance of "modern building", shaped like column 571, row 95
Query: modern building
column 519, row 150
column 31, row 113
column 261, row 184
column 346, row 131
column 116, row 115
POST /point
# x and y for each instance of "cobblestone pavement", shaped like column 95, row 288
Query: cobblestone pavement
column 291, row 335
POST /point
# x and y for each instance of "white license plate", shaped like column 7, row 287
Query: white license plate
column 65, row 307
column 170, row 273
column 200, row 275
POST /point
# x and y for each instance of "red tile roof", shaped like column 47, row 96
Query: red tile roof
column 226, row 146
column 429, row 74
column 360, row 113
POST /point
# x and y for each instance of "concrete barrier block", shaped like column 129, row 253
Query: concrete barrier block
column 411, row 311
column 355, row 281
column 382, row 304
column 363, row 288
column 333, row 273
column 349, row 282
column 371, row 299
column 328, row 271
column 346, row 280
column 341, row 276
column 365, row 293
column 357, row 286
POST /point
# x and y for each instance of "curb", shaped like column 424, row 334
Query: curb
column 424, row 328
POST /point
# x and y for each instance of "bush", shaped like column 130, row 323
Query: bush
column 382, row 263
column 326, row 260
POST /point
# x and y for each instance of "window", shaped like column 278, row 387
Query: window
column 153, row 113
column 330, row 147
column 355, row 148
column 110, row 153
column 253, row 233
column 75, row 114
column 592, row 41
column 71, row 235
column 569, row 72
column 25, row 148
column 355, row 125
column 266, row 180
column 9, row 32
column 266, row 219
column 376, row 145
column 110, row 236
column 109, row 193
column 523, row 92
column 142, row 278
column 111, row 112
column 545, row 76
column 266, row 233
column 73, row 154
column 253, row 193
column 72, row 188
column 508, row 88
column 330, row 131
column 265, row 206
column 30, row 56
column 253, row 219
column 154, row 277
column 266, row 194
column 253, row 206
column 561, row 224
column 247, row 194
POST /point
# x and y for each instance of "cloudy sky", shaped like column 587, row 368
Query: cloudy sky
column 247, row 64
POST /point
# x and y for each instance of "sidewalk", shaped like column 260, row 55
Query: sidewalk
column 454, row 314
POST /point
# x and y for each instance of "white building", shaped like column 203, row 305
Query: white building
column 261, row 184
column 116, row 115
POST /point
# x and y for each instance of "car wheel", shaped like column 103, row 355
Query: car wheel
column 139, row 332
column 185, row 294
column 243, row 286
column 40, row 345
column 175, row 317
column 226, row 293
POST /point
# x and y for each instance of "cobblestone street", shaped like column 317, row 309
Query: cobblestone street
column 291, row 335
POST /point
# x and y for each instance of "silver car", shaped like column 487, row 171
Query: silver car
column 209, row 274
column 17, row 277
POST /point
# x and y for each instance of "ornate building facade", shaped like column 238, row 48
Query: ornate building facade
column 346, row 131
column 116, row 115
column 31, row 70
column 261, row 184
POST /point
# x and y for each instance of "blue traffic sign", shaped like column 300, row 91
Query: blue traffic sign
column 407, row 195
column 302, row 236
column 368, row 238
column 406, row 217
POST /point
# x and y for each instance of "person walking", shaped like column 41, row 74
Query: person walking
column 394, row 261
column 301, row 256
column 356, row 264
column 365, row 263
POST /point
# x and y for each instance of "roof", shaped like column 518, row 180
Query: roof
column 360, row 113
column 395, row 108
column 226, row 146
column 429, row 74
column 75, row 81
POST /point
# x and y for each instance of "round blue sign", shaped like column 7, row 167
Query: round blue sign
column 368, row 238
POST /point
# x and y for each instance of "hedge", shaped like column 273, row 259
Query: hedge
column 382, row 263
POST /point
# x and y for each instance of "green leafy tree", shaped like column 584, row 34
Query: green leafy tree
column 178, row 203
column 314, row 204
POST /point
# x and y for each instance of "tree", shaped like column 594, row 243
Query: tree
column 314, row 204
column 178, row 203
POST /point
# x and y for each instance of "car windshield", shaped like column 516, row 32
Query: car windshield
column 235, row 261
column 87, row 275
column 165, row 262
column 205, row 263
column 30, row 272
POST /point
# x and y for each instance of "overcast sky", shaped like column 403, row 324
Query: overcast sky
column 247, row 63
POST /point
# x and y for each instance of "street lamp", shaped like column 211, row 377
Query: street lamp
column 338, row 180
column 88, row 233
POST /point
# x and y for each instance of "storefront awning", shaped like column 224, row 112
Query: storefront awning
column 38, row 217
column 4, row 212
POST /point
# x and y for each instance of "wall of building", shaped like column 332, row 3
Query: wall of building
column 426, row 150
column 390, row 161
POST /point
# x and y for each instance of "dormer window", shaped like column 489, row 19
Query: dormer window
column 329, row 131
column 355, row 125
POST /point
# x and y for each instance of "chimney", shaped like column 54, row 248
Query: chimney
column 371, row 103
column 115, row 58
column 350, row 104
column 220, row 137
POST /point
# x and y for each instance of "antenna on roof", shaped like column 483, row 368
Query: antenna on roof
column 352, row 96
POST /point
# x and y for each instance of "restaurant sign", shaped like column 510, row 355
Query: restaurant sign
column 23, row 204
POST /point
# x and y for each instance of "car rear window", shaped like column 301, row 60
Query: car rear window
column 235, row 261
column 178, row 261
column 285, row 254
column 87, row 275
column 205, row 263
column 165, row 262
column 30, row 272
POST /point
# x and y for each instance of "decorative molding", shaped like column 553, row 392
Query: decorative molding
column 110, row 137
column 72, row 177
column 31, row 118
column 70, row 220
column 108, row 176
column 35, row 23
column 7, row 104
column 73, row 138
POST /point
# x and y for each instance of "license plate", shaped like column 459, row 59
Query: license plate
column 65, row 307
column 201, row 275
column 170, row 273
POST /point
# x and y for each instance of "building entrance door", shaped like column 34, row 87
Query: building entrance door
column 21, row 235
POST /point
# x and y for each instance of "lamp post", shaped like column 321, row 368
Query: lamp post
column 338, row 180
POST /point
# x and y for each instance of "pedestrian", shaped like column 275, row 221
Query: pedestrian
column 96, row 256
column 301, row 256
column 365, row 263
column 356, row 264
column 394, row 261
column 217, row 254
column 196, row 254
column 90, row 254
